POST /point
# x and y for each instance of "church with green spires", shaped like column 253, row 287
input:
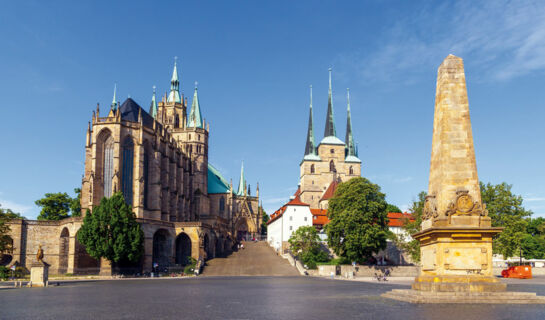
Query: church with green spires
column 331, row 161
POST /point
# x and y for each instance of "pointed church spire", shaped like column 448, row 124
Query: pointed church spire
column 242, row 182
column 310, row 148
column 174, row 95
column 153, row 107
column 195, row 118
column 114, row 100
column 349, row 140
column 351, row 152
column 330, row 120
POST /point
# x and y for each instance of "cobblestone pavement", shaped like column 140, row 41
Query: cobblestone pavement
column 242, row 298
column 256, row 259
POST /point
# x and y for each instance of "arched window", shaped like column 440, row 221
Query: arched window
column 222, row 205
column 128, row 154
column 108, row 165
column 146, row 178
column 351, row 170
column 332, row 166
column 311, row 168
column 176, row 121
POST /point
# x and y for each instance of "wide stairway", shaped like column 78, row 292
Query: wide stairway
column 256, row 259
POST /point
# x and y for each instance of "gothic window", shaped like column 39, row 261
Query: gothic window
column 222, row 205
column 108, row 165
column 146, row 178
column 128, row 154
column 351, row 170
column 176, row 121
column 332, row 166
column 311, row 168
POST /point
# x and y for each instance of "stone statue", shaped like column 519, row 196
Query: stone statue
column 40, row 254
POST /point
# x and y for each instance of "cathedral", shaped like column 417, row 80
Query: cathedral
column 330, row 162
column 158, row 160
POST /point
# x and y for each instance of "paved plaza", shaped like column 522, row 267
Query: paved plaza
column 243, row 298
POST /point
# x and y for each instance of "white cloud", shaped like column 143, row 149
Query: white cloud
column 499, row 39
column 534, row 199
column 23, row 209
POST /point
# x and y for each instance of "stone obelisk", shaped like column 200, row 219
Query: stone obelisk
column 456, row 233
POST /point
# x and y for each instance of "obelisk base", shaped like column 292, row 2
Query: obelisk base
column 455, row 283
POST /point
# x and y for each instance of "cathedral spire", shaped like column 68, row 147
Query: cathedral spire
column 350, row 147
column 195, row 116
column 174, row 95
column 114, row 100
column 330, row 120
column 310, row 148
column 350, row 150
column 153, row 107
column 242, row 182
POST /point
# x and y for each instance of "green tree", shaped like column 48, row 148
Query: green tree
column 412, row 246
column 55, row 206
column 5, row 240
column 358, row 220
column 264, row 220
column 392, row 208
column 305, row 244
column 506, row 210
column 75, row 204
column 112, row 232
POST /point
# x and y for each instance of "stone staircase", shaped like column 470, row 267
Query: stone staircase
column 256, row 259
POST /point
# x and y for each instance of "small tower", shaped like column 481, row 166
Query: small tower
column 153, row 106
column 242, row 182
column 174, row 95
column 195, row 117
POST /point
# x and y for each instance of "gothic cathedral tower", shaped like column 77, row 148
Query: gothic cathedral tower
column 332, row 161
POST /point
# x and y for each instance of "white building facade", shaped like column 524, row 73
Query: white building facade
column 285, row 221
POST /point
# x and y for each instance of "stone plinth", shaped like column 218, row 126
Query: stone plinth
column 416, row 296
column 39, row 273
column 457, row 259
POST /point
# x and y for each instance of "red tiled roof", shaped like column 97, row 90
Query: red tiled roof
column 328, row 194
column 319, row 217
column 398, row 219
column 293, row 202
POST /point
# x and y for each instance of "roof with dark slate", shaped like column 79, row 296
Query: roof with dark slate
column 129, row 112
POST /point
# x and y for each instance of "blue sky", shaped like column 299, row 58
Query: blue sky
column 254, row 61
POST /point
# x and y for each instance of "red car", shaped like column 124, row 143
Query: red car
column 519, row 272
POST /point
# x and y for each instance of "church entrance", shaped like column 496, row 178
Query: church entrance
column 242, row 231
column 161, row 248
column 183, row 249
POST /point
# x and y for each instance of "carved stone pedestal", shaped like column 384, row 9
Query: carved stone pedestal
column 39, row 273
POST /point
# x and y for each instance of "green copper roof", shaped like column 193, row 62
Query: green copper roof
column 195, row 118
column 174, row 95
column 310, row 148
column 330, row 120
column 242, row 181
column 114, row 100
column 153, row 107
column 331, row 140
column 216, row 182
column 352, row 159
